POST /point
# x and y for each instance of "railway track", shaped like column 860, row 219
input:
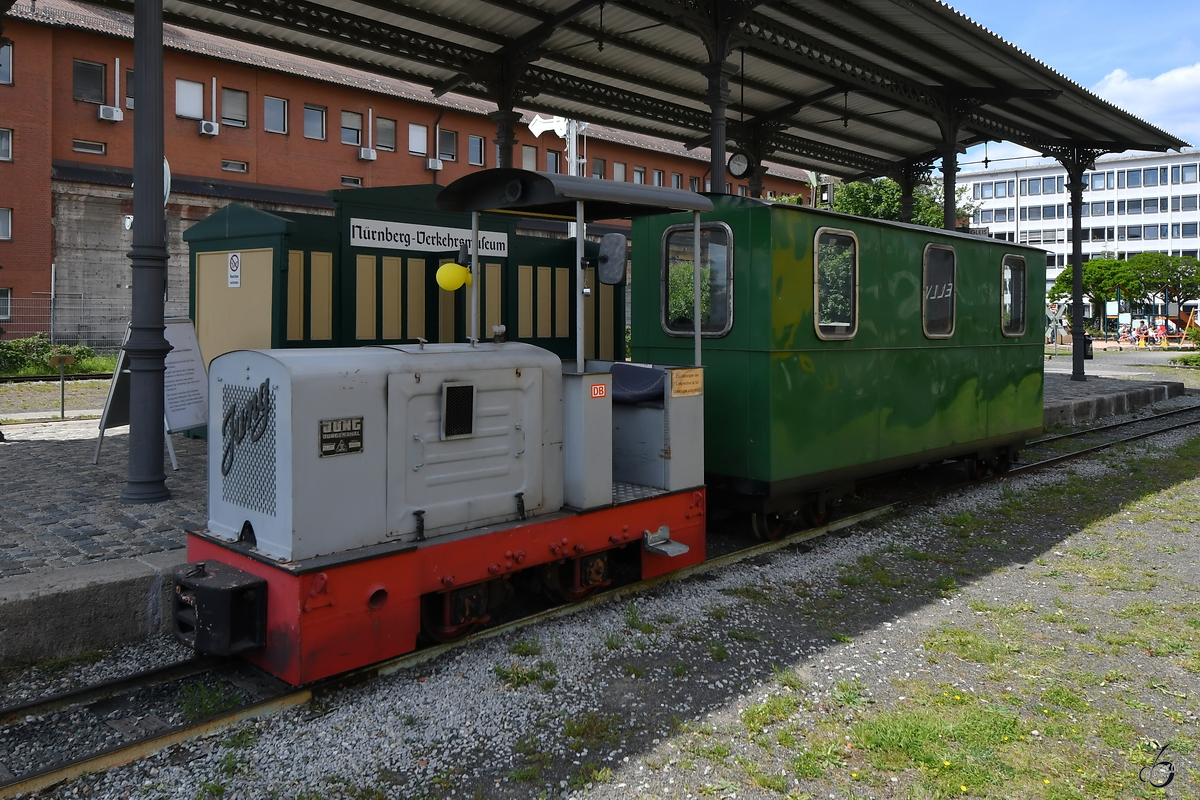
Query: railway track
column 133, row 706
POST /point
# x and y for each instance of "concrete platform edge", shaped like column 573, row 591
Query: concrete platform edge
column 1076, row 412
column 66, row 612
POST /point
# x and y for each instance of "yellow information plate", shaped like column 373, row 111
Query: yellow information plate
column 687, row 382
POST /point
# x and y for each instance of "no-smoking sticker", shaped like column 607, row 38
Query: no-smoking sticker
column 235, row 270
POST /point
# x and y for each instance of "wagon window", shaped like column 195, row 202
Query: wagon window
column 836, row 283
column 716, row 280
column 1012, row 299
column 939, row 291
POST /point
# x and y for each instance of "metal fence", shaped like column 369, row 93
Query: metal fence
column 99, row 324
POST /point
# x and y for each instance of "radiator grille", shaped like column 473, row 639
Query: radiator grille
column 248, row 447
column 458, row 410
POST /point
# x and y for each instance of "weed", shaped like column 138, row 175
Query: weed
column 201, row 701
column 591, row 728
column 841, row 637
column 849, row 693
column 789, row 679
column 229, row 765
column 718, row 612
column 813, row 762
column 516, row 676
column 751, row 594
column 775, row 709
column 635, row 622
column 966, row 644
column 717, row 651
column 946, row 585
column 678, row 669
column 590, row 773
column 612, row 641
column 210, row 790
column 634, row 671
column 525, row 647
column 713, row 751
column 667, row 619
column 242, row 737
column 745, row 636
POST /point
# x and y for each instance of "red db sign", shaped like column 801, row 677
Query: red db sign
column 599, row 390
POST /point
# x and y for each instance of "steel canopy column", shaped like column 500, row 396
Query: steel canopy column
column 718, row 74
column 147, row 347
column 506, row 137
column 950, row 181
column 909, row 175
column 1076, row 160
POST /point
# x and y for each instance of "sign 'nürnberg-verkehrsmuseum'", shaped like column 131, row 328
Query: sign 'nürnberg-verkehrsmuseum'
column 428, row 238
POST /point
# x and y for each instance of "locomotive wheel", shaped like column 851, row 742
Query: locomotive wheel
column 770, row 526
column 450, row 616
column 1002, row 464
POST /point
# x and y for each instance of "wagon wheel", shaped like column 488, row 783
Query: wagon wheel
column 816, row 513
column 1002, row 464
column 771, row 526
column 977, row 468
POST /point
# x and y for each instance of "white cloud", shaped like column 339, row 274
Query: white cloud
column 1171, row 100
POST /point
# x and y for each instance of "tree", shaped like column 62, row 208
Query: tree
column 880, row 199
column 1140, row 277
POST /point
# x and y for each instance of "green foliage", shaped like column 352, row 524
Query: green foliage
column 835, row 280
column 880, row 199
column 680, row 286
column 1139, row 277
column 201, row 701
column 33, row 354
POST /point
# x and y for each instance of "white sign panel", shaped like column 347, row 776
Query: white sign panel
column 235, row 270
column 427, row 238
column 186, row 383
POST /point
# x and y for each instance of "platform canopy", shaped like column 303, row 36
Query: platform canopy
column 853, row 88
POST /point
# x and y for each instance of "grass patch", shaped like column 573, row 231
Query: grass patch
column 968, row 645
column 201, row 700
column 751, row 594
column 775, row 709
column 525, row 647
column 591, row 729
column 635, row 622
column 517, row 676
column 718, row 651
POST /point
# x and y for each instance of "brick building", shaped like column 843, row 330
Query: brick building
column 242, row 123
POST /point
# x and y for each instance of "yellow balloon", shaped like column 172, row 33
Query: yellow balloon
column 452, row 276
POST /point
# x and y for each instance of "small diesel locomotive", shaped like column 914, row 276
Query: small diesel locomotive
column 360, row 496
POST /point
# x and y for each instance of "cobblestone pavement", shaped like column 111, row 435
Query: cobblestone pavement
column 60, row 510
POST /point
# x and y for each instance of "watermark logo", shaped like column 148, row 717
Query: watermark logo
column 1160, row 773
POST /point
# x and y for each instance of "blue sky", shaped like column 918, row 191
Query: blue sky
column 1143, row 57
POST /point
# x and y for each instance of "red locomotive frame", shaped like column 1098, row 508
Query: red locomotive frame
column 331, row 614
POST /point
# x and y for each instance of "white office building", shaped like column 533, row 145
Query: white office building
column 1131, row 204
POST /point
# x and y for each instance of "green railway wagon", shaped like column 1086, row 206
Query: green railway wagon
column 367, row 275
column 837, row 347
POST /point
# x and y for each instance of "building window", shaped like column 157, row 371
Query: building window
column 985, row 191
column 1001, row 189
column 234, row 166
column 528, row 157
column 694, row 183
column 5, row 144
column 1134, row 179
column 385, row 134
column 1035, row 186
column 234, row 107
column 448, row 145
column 1061, row 184
column 1098, row 209
column 5, row 304
column 658, row 177
column 597, row 167
column 352, row 128
column 89, row 82
column 716, row 280
column 1189, row 230
column 275, row 115
column 1150, row 232
column 1035, row 212
column 742, row 191
column 1121, row 179
column 639, row 175
column 619, row 172
column 1097, row 181
column 985, row 215
column 1188, row 173
column 1133, row 206
column 1188, row 202
column 6, row 63
column 129, row 89
column 1174, row 174
column 189, row 99
column 836, row 284
column 1150, row 176
column 350, row 180
column 475, row 150
column 5, row 223
column 83, row 146
column 314, row 122
column 1024, row 187
column 553, row 161
column 676, row 180
column 1012, row 296
column 1150, row 205
column 1133, row 232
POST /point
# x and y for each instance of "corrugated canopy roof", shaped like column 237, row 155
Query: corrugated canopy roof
column 848, row 87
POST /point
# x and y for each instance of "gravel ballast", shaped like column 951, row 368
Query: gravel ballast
column 763, row 679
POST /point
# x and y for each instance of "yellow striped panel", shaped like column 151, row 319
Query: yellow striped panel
column 320, row 299
column 524, row 302
column 295, row 296
column 562, row 302
column 416, row 298
column 391, row 297
column 364, row 305
column 606, row 322
column 543, row 302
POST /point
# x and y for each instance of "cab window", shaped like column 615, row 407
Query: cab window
column 937, row 300
column 716, row 280
column 836, row 283
column 1012, row 296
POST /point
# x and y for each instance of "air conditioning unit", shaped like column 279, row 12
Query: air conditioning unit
column 433, row 163
column 209, row 128
column 110, row 114
column 366, row 154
